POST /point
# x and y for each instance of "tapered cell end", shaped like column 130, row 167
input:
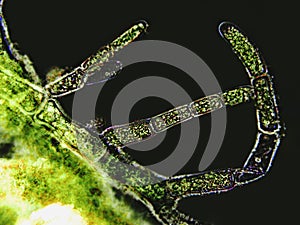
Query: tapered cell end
column 143, row 24
column 226, row 26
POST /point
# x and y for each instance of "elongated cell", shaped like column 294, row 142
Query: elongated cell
column 140, row 130
column 192, row 184
column 266, row 103
column 67, row 84
column 97, row 68
column 244, row 49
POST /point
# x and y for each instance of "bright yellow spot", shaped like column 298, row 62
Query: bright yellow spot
column 55, row 214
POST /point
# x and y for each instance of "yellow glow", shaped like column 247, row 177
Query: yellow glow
column 55, row 214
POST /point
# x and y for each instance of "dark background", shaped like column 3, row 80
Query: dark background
column 63, row 33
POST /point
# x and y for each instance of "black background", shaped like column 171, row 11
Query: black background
column 63, row 33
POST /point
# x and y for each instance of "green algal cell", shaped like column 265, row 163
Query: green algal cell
column 238, row 96
column 265, row 103
column 202, row 183
column 245, row 50
column 172, row 117
column 67, row 83
column 206, row 105
column 128, row 36
column 132, row 132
